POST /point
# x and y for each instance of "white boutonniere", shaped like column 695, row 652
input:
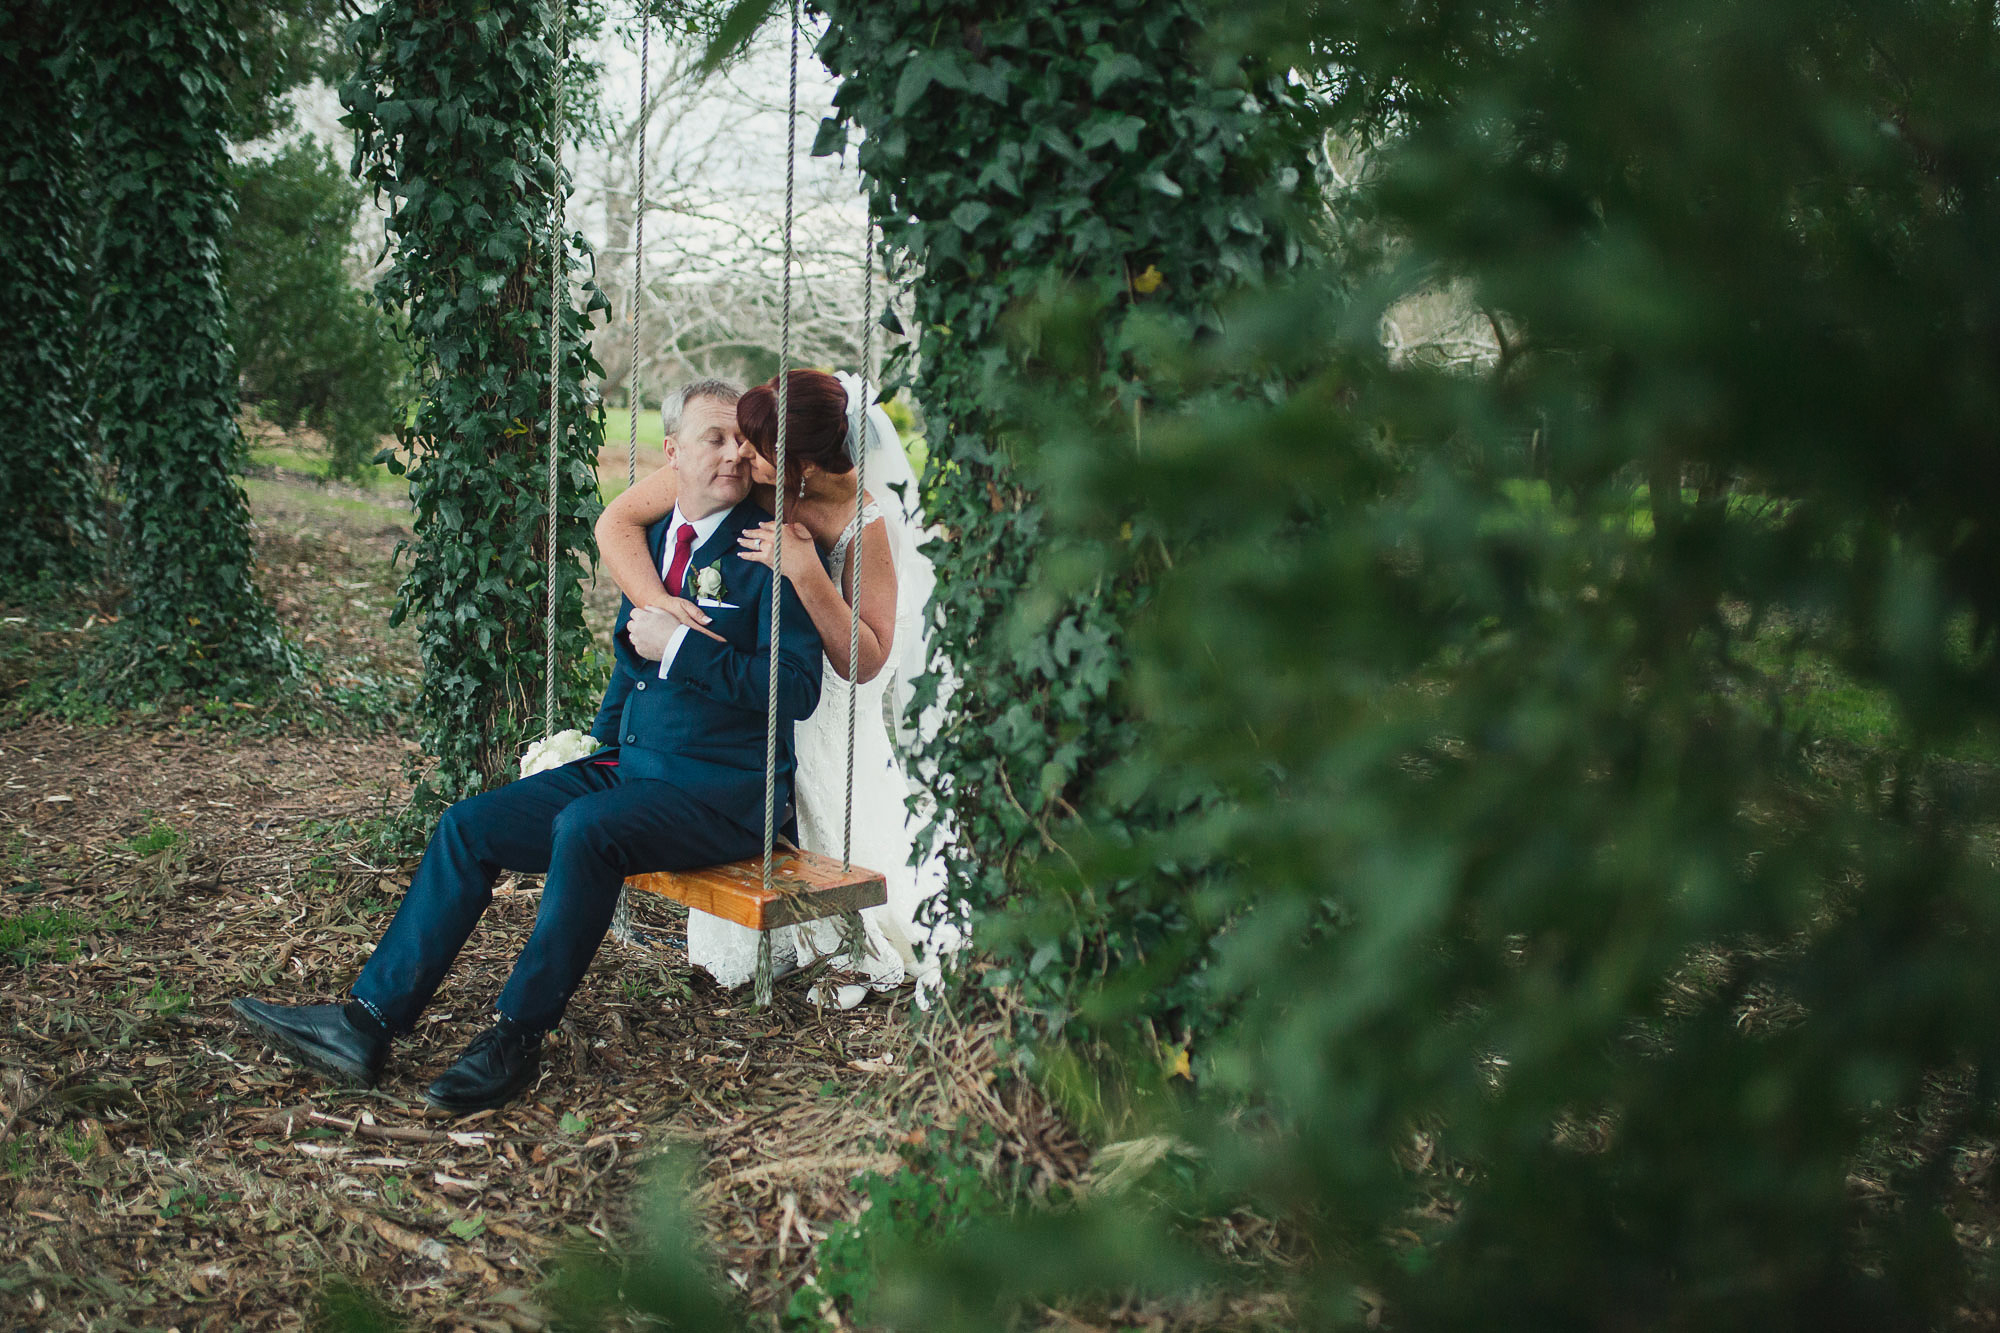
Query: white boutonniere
column 708, row 582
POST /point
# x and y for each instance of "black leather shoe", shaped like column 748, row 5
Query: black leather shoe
column 496, row 1067
column 319, row 1035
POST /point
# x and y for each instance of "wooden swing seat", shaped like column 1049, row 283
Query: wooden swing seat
column 805, row 886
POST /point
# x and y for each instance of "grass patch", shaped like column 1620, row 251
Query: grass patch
column 618, row 425
column 1821, row 700
column 266, row 496
column 47, row 934
column 158, row 837
column 165, row 1000
column 287, row 455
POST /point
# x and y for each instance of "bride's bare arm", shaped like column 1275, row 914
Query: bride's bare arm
column 827, row 605
column 621, row 548
column 621, row 536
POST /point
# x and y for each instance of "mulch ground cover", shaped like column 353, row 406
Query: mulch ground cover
column 160, row 1167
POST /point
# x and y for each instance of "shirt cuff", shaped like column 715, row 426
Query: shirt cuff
column 673, row 646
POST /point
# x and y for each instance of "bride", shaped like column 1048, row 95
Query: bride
column 828, row 419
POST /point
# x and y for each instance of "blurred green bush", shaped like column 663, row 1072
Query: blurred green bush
column 1543, row 970
column 311, row 345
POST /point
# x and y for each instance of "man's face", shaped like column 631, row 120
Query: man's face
column 710, row 456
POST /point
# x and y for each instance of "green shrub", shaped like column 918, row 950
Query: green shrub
column 42, row 933
column 158, row 837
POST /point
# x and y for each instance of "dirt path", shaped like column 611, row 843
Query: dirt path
column 160, row 1168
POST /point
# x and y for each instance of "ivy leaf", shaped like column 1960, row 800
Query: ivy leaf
column 733, row 35
column 831, row 139
column 1122, row 130
column 925, row 68
column 968, row 215
column 1113, row 68
column 990, row 81
column 1000, row 174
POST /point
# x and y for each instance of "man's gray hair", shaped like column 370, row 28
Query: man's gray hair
column 675, row 403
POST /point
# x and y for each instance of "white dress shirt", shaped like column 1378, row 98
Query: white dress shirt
column 704, row 528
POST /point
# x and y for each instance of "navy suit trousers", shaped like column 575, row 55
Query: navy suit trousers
column 583, row 827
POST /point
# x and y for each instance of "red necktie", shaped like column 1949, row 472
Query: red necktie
column 683, row 548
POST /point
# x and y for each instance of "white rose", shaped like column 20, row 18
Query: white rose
column 708, row 582
column 554, row 751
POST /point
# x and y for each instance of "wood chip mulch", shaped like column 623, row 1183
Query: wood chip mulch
column 160, row 1167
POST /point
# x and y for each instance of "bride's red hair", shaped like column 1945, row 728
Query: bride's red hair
column 816, row 426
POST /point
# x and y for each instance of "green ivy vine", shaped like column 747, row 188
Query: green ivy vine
column 1065, row 186
column 451, row 108
column 152, row 79
column 47, row 499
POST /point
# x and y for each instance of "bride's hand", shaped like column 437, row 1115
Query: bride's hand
column 652, row 627
column 801, row 559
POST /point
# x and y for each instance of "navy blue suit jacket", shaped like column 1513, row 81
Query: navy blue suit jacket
column 702, row 728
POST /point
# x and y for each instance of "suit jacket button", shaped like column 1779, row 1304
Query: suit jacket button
column 631, row 740
column 642, row 685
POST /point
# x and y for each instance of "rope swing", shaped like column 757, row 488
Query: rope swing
column 764, row 977
column 777, row 889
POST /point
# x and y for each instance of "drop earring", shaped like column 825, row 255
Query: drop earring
column 802, row 485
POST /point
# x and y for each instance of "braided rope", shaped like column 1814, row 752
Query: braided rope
column 764, row 977
column 621, row 913
column 633, row 398
column 557, row 249
column 860, row 485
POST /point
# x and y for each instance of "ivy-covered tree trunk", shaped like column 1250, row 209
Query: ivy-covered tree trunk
column 46, row 491
column 452, row 107
column 164, row 380
column 1068, row 183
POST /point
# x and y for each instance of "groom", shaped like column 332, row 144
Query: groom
column 681, row 786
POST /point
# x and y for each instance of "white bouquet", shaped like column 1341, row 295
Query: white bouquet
column 554, row 751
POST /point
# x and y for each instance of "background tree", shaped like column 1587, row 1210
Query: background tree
column 1092, row 159
column 156, row 116
column 313, row 349
column 48, row 498
column 452, row 109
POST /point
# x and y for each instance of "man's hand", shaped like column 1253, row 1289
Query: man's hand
column 651, row 628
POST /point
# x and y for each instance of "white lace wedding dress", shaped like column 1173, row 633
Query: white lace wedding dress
column 899, row 947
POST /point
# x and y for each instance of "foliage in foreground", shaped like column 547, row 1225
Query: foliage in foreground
column 1569, row 984
column 313, row 350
